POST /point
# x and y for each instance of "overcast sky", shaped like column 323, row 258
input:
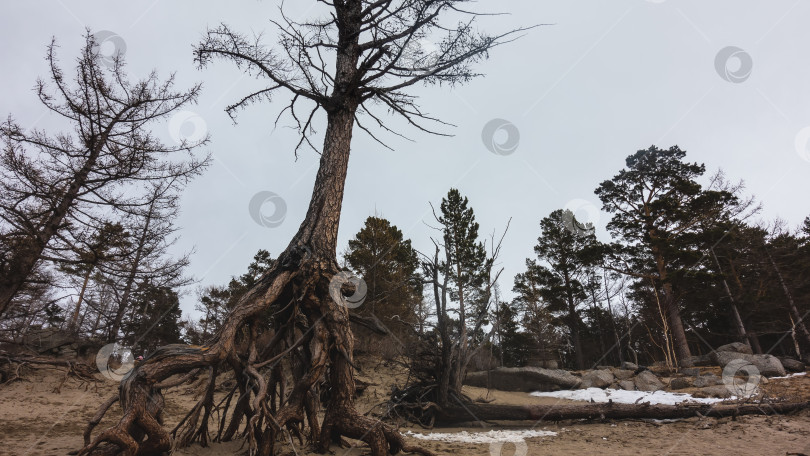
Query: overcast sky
column 725, row 80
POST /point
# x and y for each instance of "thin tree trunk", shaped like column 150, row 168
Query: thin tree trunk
column 112, row 335
column 673, row 312
column 75, row 318
column 799, row 320
column 734, row 312
column 25, row 258
column 616, row 337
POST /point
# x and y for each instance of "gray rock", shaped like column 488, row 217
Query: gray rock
column 694, row 361
column 768, row 365
column 526, row 379
column 714, row 391
column 792, row 365
column 707, row 380
column 690, row 371
column 680, row 383
column 629, row 366
column 600, row 378
column 647, row 381
column 614, row 386
column 623, row 374
column 736, row 347
column 627, row 385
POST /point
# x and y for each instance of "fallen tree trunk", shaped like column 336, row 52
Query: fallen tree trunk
column 494, row 412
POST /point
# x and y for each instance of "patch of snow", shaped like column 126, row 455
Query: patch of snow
column 626, row 397
column 483, row 437
column 798, row 374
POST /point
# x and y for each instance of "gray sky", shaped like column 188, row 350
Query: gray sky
column 607, row 79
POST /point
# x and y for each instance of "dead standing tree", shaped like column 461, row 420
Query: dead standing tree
column 374, row 44
column 53, row 186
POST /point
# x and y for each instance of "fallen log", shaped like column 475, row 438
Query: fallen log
column 610, row 410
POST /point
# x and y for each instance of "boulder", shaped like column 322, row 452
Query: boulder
column 647, row 381
column 694, row 361
column 707, row 380
column 680, row 383
column 627, row 385
column 525, row 379
column 690, row 371
column 623, row 374
column 629, row 366
column 792, row 365
column 735, row 347
column 768, row 365
column 713, row 391
column 599, row 378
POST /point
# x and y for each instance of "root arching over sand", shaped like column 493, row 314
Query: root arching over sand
column 311, row 342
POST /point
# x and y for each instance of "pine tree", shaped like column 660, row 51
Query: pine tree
column 389, row 266
column 659, row 208
column 564, row 251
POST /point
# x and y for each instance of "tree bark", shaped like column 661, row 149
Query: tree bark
column 493, row 412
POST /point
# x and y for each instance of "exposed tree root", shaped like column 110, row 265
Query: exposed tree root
column 311, row 343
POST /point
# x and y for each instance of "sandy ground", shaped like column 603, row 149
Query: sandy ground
column 36, row 419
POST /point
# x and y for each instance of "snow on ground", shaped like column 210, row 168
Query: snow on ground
column 483, row 437
column 792, row 375
column 625, row 397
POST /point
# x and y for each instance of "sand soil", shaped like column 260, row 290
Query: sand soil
column 42, row 416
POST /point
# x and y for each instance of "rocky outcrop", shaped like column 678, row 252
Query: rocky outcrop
column 623, row 374
column 526, row 379
column 647, row 381
column 767, row 365
column 707, row 380
column 735, row 347
column 792, row 365
column 600, row 378
column 678, row 383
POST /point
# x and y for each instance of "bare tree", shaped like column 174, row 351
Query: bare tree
column 53, row 185
column 369, row 47
column 153, row 231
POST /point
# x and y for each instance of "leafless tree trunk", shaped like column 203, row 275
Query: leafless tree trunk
column 372, row 45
